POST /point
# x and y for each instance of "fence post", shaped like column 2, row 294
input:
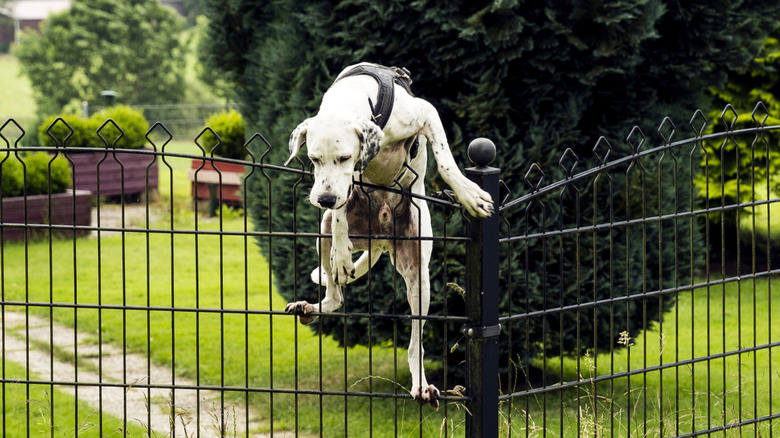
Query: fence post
column 482, row 300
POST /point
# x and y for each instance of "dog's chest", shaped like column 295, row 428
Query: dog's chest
column 388, row 164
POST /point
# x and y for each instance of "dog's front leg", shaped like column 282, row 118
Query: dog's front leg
column 327, row 248
column 477, row 202
column 341, row 266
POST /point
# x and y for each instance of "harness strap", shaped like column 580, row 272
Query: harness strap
column 386, row 77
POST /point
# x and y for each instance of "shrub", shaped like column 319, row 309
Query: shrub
column 132, row 122
column 12, row 177
column 42, row 170
column 85, row 131
column 83, row 136
column 231, row 128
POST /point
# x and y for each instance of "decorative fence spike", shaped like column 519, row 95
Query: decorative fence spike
column 602, row 144
column 568, row 162
column 106, row 126
column 50, row 131
column 730, row 122
column 199, row 138
column 760, row 112
column 698, row 123
column 4, row 134
column 666, row 130
column 154, row 131
column 534, row 177
column 632, row 137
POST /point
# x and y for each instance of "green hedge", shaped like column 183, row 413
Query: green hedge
column 231, row 129
column 35, row 171
column 132, row 123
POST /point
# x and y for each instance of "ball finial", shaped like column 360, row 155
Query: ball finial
column 482, row 151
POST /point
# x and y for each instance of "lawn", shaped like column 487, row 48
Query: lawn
column 20, row 402
column 697, row 395
column 16, row 95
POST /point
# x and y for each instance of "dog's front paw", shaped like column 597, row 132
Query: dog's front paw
column 427, row 395
column 303, row 309
column 476, row 201
column 341, row 265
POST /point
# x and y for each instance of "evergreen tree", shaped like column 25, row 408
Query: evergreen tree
column 536, row 77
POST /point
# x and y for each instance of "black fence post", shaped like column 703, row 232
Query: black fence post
column 482, row 300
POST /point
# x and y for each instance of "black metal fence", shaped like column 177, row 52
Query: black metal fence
column 632, row 298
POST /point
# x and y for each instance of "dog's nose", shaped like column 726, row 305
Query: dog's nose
column 327, row 201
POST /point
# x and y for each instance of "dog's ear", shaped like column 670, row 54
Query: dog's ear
column 370, row 135
column 297, row 138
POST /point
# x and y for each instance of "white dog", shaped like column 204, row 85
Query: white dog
column 353, row 138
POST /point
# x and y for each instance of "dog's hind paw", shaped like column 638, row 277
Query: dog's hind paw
column 303, row 309
column 427, row 395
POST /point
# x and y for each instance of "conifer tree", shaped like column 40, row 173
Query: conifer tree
column 536, row 77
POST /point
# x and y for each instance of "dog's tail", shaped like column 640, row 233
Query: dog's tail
column 362, row 266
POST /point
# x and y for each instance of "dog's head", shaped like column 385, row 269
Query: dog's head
column 336, row 148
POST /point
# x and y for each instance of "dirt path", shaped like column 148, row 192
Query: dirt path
column 135, row 404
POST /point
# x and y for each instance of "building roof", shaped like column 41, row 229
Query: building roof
column 33, row 9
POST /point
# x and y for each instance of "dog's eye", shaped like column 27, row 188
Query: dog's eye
column 315, row 160
column 344, row 159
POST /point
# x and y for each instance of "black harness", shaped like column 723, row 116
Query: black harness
column 386, row 77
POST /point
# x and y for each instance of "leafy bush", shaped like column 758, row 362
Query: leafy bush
column 85, row 131
column 735, row 169
column 11, row 176
column 130, row 121
column 83, row 135
column 744, row 164
column 40, row 170
column 231, row 129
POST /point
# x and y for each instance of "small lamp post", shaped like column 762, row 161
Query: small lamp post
column 109, row 96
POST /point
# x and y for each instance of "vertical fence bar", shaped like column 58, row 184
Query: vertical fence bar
column 482, row 301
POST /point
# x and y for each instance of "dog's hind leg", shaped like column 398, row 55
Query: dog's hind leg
column 411, row 260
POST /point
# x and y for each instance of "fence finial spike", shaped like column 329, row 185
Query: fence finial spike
column 666, row 130
column 13, row 124
column 602, row 143
column 760, row 112
column 534, row 177
column 698, row 115
column 568, row 162
column 635, row 132
column 729, row 110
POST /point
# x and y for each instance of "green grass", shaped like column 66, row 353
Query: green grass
column 199, row 275
column 16, row 95
column 36, row 410
column 693, row 396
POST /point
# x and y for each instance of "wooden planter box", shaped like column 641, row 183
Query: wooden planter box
column 62, row 209
column 208, row 177
column 87, row 167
